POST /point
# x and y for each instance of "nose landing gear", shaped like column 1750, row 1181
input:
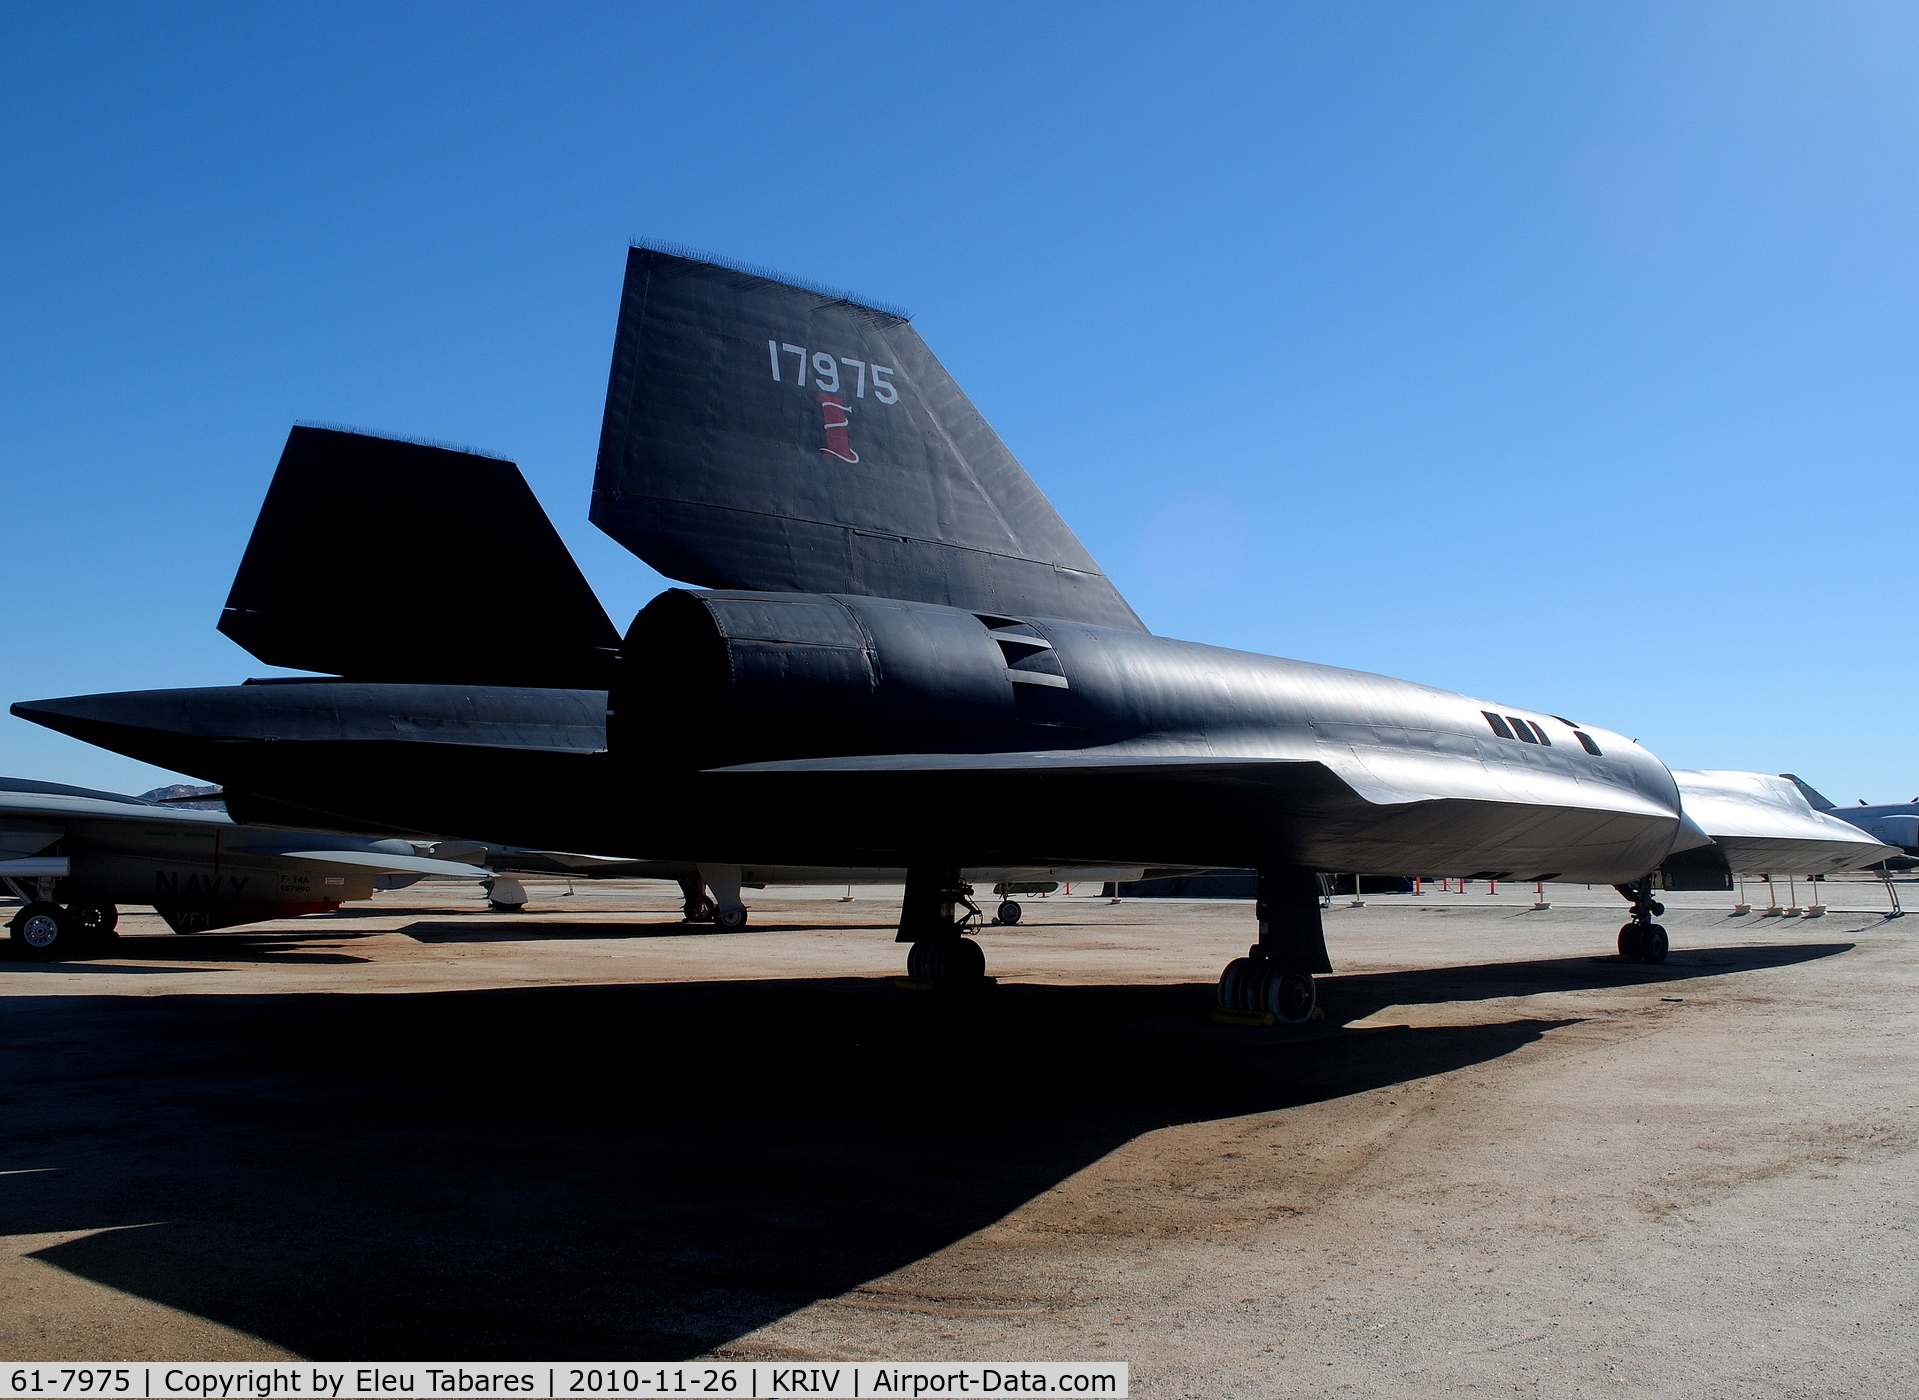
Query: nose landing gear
column 1642, row 940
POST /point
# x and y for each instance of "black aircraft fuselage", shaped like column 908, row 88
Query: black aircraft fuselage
column 820, row 730
column 895, row 654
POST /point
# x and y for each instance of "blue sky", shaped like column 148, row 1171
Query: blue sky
column 1558, row 354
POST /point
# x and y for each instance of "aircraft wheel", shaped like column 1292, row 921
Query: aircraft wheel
column 700, row 911
column 98, row 919
column 952, row 964
column 731, row 920
column 43, row 930
column 959, row 963
column 1632, row 943
column 94, row 922
column 1008, row 912
column 505, row 894
column 1290, row 996
column 1234, row 983
column 1254, row 984
column 1654, row 944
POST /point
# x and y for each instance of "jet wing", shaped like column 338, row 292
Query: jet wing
column 1380, row 776
column 536, row 860
column 1322, row 795
column 22, row 799
column 1055, row 761
column 33, row 816
column 378, row 862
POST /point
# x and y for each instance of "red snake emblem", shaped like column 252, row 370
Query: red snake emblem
column 833, row 408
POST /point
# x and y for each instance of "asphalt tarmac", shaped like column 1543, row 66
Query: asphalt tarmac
column 1504, row 1163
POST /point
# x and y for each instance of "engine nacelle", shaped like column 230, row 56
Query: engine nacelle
column 734, row 677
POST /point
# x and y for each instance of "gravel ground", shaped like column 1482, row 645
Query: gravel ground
column 1504, row 1163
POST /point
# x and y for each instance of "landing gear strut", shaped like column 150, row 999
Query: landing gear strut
column 1275, row 978
column 697, row 907
column 722, row 907
column 1642, row 940
column 934, row 917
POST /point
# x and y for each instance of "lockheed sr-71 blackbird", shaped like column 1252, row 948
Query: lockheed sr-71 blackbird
column 895, row 654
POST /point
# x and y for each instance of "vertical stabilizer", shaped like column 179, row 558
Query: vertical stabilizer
column 769, row 436
column 381, row 559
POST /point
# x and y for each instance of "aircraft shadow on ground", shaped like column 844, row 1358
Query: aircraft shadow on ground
column 292, row 949
column 610, row 1172
column 1355, row 996
column 78, row 967
column 659, row 926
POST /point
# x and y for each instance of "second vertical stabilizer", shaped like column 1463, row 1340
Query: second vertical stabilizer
column 768, row 436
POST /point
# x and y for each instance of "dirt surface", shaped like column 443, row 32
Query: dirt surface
column 1502, row 1163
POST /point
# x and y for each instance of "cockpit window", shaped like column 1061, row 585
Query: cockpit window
column 1498, row 724
column 1586, row 742
column 1525, row 733
column 1540, row 732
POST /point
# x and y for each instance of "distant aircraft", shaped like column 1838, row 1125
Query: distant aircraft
column 1895, row 823
column 72, row 855
column 711, row 893
column 895, row 654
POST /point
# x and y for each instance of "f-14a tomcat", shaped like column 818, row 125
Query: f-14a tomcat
column 894, row 653
column 72, row 856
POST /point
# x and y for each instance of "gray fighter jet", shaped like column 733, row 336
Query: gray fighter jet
column 895, row 654
column 72, row 856
column 1895, row 823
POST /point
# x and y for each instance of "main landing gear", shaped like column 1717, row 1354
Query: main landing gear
column 696, row 907
column 505, row 895
column 934, row 916
column 1273, row 984
column 1642, row 940
column 43, row 929
column 722, row 908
